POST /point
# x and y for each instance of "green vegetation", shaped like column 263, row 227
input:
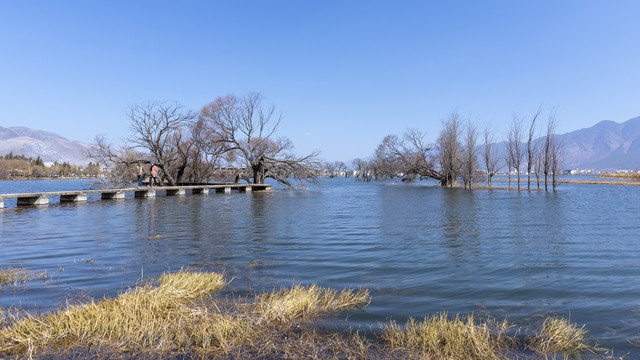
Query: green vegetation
column 177, row 317
column 21, row 167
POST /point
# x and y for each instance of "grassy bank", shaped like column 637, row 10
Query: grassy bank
column 633, row 176
column 179, row 316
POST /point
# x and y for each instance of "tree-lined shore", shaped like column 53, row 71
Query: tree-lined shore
column 20, row 167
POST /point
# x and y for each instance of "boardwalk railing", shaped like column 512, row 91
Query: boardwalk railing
column 142, row 192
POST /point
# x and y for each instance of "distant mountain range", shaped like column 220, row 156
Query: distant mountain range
column 607, row 145
column 49, row 146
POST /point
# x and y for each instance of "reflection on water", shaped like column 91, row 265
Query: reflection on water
column 419, row 249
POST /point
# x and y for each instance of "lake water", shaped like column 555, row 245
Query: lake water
column 419, row 249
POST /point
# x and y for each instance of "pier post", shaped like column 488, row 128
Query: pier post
column 226, row 190
column 203, row 191
column 34, row 199
column 171, row 192
column 1, row 203
column 73, row 197
column 112, row 195
column 145, row 193
column 246, row 189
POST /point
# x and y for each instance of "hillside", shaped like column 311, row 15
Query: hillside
column 49, row 146
column 607, row 145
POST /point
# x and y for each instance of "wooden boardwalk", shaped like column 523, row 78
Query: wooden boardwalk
column 138, row 192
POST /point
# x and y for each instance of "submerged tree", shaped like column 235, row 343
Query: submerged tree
column 363, row 169
column 490, row 155
column 469, row 160
column 159, row 134
column 159, row 129
column 515, row 146
column 333, row 169
column 450, row 149
column 531, row 147
column 446, row 161
column 246, row 127
column 411, row 155
column 121, row 162
column 552, row 155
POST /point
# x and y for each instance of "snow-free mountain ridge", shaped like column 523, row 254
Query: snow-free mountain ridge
column 607, row 145
column 49, row 146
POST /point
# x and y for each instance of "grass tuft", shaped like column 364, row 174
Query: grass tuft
column 307, row 302
column 178, row 315
column 142, row 317
column 563, row 337
column 19, row 276
column 441, row 337
column 179, row 318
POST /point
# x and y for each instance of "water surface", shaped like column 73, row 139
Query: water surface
column 419, row 249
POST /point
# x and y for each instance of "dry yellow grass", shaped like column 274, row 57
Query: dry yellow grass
column 441, row 337
column 307, row 302
column 18, row 276
column 633, row 176
column 176, row 316
column 559, row 336
column 140, row 318
column 179, row 318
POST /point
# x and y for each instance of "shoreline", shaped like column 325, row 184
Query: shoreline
column 285, row 323
column 53, row 178
column 589, row 182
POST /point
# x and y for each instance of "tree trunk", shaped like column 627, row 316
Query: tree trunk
column 167, row 176
column 180, row 174
column 258, row 171
column 545, row 181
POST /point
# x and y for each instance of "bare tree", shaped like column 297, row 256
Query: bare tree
column 554, row 150
column 515, row 146
column 387, row 162
column 449, row 149
column 509, row 158
column 549, row 149
column 539, row 160
column 206, row 155
column 167, row 135
column 121, row 162
column 158, row 128
column 335, row 168
column 363, row 169
column 411, row 156
column 556, row 160
column 469, row 161
column 341, row 167
column 530, row 149
column 247, row 127
column 415, row 158
column 491, row 157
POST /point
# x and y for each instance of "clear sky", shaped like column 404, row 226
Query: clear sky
column 343, row 73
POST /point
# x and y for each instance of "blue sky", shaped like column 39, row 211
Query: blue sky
column 343, row 73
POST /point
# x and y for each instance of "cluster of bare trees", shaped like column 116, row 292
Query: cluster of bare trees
column 335, row 168
column 462, row 154
column 230, row 138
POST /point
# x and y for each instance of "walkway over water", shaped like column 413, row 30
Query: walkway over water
column 139, row 192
